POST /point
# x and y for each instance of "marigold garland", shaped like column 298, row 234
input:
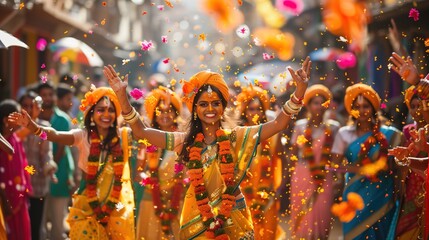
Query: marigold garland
column 260, row 199
column 369, row 167
column 317, row 170
column 164, row 213
column 102, row 212
column 214, row 224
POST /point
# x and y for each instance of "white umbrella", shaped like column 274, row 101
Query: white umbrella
column 7, row 40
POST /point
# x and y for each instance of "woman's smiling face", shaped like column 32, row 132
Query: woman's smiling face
column 209, row 108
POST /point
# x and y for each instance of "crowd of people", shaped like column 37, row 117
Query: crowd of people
column 200, row 166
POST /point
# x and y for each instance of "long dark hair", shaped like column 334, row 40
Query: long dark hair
column 112, row 130
column 195, row 126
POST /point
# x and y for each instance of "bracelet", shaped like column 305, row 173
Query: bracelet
column 38, row 131
column 401, row 163
column 295, row 99
column 133, row 119
column 295, row 108
column 131, row 115
column 128, row 115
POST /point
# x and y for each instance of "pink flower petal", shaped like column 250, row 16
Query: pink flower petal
column 146, row 181
column 136, row 93
column 267, row 56
column 164, row 39
column 41, row 44
column 293, row 6
column 166, row 60
column 43, row 135
column 44, row 78
column 147, row 45
column 178, row 167
column 414, row 13
column 43, row 66
column 186, row 180
column 151, row 149
column 346, row 60
column 160, row 7
column 383, row 106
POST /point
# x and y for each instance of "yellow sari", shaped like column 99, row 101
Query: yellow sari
column 83, row 223
column 244, row 142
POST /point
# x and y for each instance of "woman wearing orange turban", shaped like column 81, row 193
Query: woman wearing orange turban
column 216, row 158
column 260, row 186
column 103, row 205
column 370, row 173
column 159, row 210
column 312, row 141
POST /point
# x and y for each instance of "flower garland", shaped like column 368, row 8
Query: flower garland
column 214, row 224
column 369, row 167
column 259, row 200
column 317, row 170
column 164, row 213
column 102, row 212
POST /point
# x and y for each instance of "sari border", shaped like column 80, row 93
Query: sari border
column 362, row 227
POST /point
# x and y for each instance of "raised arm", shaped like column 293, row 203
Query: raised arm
column 23, row 119
column 140, row 131
column 293, row 105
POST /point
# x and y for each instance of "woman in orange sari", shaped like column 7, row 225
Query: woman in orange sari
column 103, row 205
column 264, row 174
column 216, row 158
column 159, row 210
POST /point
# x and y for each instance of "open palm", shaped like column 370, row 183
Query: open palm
column 21, row 119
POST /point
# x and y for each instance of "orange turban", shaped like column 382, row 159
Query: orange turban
column 153, row 98
column 190, row 88
column 94, row 95
column 409, row 94
column 361, row 89
column 249, row 93
column 317, row 90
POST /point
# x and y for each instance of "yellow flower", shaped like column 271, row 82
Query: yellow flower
column 30, row 169
column 354, row 113
column 301, row 140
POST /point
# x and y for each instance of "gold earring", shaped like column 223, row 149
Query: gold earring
column 92, row 122
column 195, row 116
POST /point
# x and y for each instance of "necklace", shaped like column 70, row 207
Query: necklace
column 214, row 224
column 114, row 154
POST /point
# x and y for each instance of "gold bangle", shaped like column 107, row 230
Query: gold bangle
column 294, row 108
column 134, row 119
column 128, row 115
column 294, row 105
column 38, row 131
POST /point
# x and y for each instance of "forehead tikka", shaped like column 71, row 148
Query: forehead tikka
column 209, row 90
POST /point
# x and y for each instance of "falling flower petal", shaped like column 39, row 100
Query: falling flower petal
column 383, row 106
column 414, row 13
column 301, row 140
column 178, row 167
column 346, row 60
column 44, row 78
column 30, row 169
column 151, row 149
column 160, row 7
column 164, row 39
column 293, row 6
column 43, row 66
column 146, row 181
column 136, row 93
column 119, row 206
column 43, row 135
column 41, row 44
column 74, row 121
column 186, row 180
column 147, row 45
column 354, row 113
column 166, row 60
column 125, row 61
column 243, row 31
column 202, row 37
column 168, row 3
column 267, row 56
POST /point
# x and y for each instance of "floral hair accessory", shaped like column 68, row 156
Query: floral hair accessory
column 94, row 95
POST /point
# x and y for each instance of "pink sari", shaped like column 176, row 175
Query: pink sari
column 16, row 183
